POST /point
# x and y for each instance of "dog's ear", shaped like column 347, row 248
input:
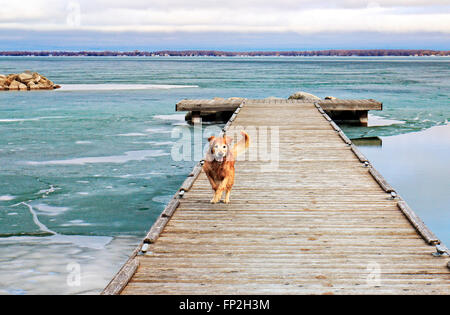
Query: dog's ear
column 228, row 140
column 211, row 138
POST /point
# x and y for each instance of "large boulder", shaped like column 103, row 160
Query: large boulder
column 36, row 77
column 10, row 78
column 25, row 77
column 14, row 85
column 22, row 87
column 32, row 86
column 304, row 96
column 44, row 86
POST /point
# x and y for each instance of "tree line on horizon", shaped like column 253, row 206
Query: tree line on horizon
column 185, row 53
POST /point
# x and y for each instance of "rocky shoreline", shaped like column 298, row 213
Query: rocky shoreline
column 26, row 81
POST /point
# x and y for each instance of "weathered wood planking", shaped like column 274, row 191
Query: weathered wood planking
column 208, row 105
column 428, row 235
column 322, row 222
column 344, row 105
column 231, row 105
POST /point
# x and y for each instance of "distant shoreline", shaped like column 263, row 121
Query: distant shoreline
column 215, row 53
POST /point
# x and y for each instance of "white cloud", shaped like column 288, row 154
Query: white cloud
column 303, row 16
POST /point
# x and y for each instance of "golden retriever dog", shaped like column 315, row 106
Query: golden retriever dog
column 219, row 164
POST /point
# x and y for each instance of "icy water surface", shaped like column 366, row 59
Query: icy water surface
column 85, row 170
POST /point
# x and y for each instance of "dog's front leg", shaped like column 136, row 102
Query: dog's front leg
column 227, row 196
column 212, row 182
column 219, row 191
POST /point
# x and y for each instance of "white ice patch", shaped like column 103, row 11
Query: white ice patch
column 29, row 119
column 132, row 134
column 380, row 121
column 158, row 130
column 83, row 142
column 174, row 117
column 120, row 159
column 49, row 210
column 117, row 87
column 7, row 198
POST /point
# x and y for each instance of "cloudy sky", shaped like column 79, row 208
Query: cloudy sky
column 225, row 25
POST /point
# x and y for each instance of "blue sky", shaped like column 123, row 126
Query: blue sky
column 224, row 25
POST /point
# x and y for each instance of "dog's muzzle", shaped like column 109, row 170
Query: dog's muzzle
column 219, row 157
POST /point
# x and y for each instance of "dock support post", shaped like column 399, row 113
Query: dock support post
column 196, row 118
column 363, row 118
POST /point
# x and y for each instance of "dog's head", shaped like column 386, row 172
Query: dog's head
column 219, row 148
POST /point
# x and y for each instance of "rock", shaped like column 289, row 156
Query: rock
column 236, row 99
column 36, row 77
column 274, row 98
column 32, row 86
column 14, row 85
column 25, row 77
column 330, row 98
column 304, row 96
column 46, row 81
column 45, row 86
column 10, row 78
column 22, row 87
column 3, row 85
column 26, row 80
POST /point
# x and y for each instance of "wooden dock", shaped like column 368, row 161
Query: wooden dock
column 350, row 111
column 233, row 103
column 323, row 222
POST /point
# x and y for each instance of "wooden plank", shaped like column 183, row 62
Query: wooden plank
column 350, row 105
column 420, row 226
column 170, row 208
column 380, row 180
column 196, row 170
column 344, row 137
column 335, row 126
column 156, row 229
column 122, row 278
column 208, row 105
column 358, row 154
column 231, row 105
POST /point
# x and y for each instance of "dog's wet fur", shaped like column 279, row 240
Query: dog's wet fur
column 219, row 164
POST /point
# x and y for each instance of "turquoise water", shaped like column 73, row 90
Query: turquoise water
column 85, row 170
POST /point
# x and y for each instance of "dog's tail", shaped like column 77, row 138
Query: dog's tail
column 242, row 145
